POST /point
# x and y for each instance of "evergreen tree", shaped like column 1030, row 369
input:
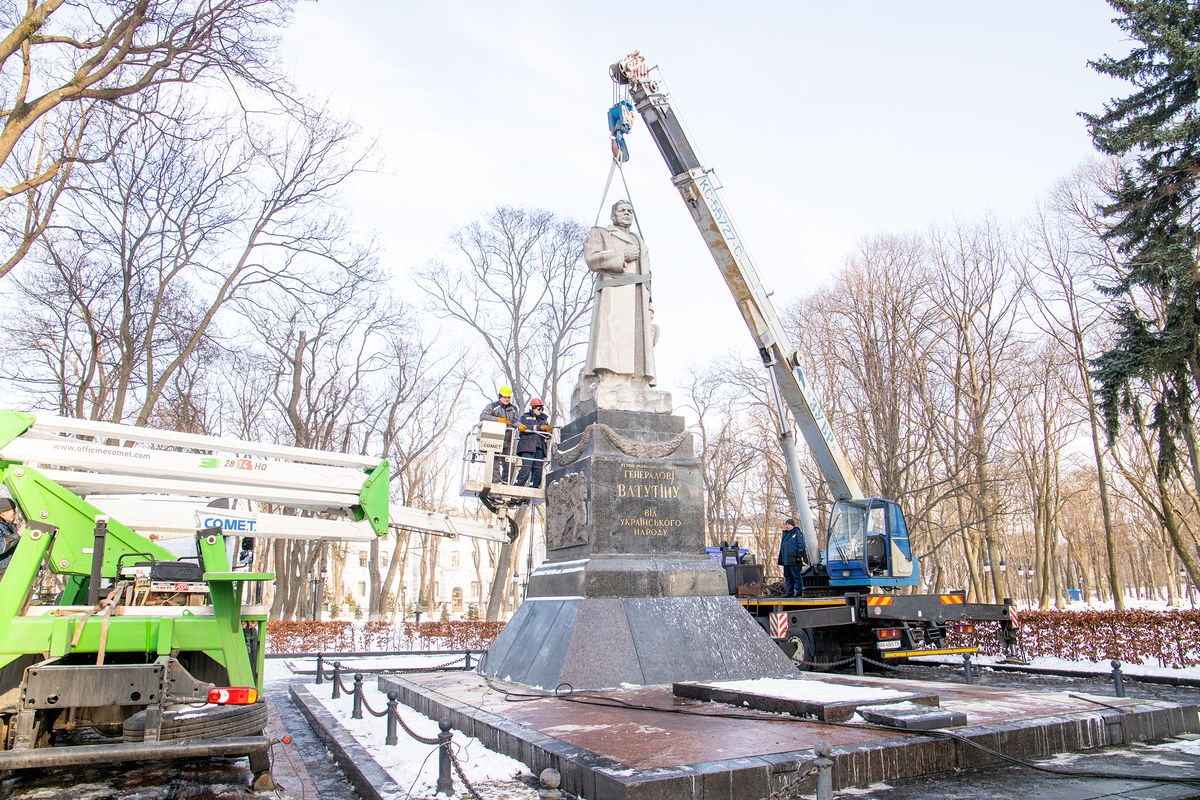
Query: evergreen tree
column 1153, row 211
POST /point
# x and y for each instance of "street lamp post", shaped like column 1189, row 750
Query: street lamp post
column 318, row 594
column 1025, row 571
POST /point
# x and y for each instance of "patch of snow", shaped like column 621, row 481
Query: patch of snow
column 869, row 790
column 808, row 690
column 1185, row 744
column 567, row 727
column 907, row 705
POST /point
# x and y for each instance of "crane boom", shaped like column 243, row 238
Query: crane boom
column 701, row 193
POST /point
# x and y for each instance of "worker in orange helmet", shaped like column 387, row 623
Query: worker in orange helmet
column 534, row 430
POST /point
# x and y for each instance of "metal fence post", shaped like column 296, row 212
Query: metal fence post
column 337, row 680
column 967, row 676
column 358, row 697
column 824, row 771
column 391, row 719
column 320, row 668
column 858, row 662
column 1118, row 678
column 444, row 783
column 467, row 665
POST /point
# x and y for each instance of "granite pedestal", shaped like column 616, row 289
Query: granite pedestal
column 626, row 595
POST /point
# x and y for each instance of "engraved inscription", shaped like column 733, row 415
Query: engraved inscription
column 650, row 484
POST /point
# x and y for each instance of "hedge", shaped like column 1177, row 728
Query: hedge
column 1150, row 638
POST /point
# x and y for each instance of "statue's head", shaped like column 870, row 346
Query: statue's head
column 622, row 214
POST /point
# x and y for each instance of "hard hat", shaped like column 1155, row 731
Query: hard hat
column 535, row 401
column 505, row 391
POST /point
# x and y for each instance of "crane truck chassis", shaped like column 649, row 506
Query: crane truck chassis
column 820, row 629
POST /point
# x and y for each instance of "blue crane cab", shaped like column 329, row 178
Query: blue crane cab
column 868, row 545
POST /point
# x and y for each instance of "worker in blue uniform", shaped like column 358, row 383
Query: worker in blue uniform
column 792, row 557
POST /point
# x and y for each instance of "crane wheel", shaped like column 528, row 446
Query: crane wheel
column 800, row 648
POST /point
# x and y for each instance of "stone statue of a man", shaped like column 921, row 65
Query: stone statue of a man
column 619, row 371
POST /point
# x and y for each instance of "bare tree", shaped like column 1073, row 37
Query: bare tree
column 154, row 244
column 1071, row 253
column 978, row 295
column 64, row 64
column 519, row 287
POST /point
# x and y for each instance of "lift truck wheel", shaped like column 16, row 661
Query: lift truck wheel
column 204, row 722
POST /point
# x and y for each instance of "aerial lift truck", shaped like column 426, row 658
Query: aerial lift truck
column 123, row 608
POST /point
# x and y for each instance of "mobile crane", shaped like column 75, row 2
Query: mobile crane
column 157, row 635
column 850, row 597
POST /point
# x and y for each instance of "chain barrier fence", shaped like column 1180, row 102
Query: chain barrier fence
column 447, row 758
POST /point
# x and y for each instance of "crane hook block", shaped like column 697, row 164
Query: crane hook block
column 620, row 121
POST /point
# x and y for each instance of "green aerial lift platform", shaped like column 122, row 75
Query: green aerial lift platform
column 127, row 612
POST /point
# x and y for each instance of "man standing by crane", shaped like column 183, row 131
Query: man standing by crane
column 792, row 556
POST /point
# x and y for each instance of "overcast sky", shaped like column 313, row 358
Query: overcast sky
column 826, row 123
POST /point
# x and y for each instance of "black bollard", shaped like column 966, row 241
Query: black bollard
column 467, row 666
column 391, row 719
column 320, row 668
column 967, row 676
column 444, row 783
column 858, row 662
column 337, row 680
column 1118, row 678
column 358, row 697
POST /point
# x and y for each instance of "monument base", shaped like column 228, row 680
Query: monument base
column 605, row 643
column 627, row 595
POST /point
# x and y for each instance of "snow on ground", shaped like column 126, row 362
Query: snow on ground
column 809, row 689
column 1180, row 753
column 414, row 766
column 1083, row 667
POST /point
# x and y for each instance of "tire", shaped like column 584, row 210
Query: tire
column 800, row 648
column 209, row 722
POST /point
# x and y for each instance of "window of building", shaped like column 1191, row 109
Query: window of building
column 474, row 590
column 362, row 588
column 456, row 599
column 362, row 559
column 383, row 559
column 454, row 562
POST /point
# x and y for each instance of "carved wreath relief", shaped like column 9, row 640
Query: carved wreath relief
column 566, row 512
